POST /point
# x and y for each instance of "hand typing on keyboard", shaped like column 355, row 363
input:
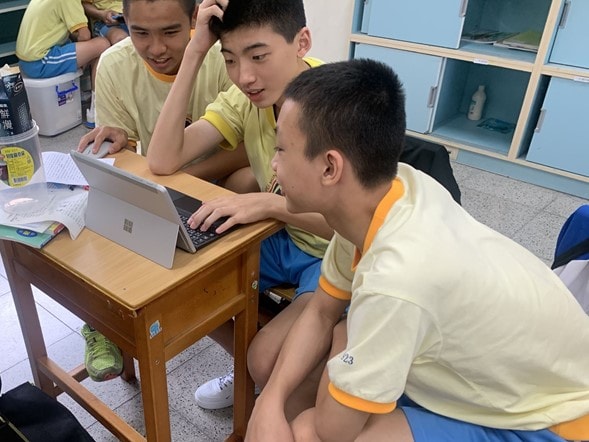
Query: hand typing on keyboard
column 229, row 211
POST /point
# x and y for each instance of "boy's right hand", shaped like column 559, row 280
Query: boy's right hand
column 97, row 135
column 203, row 38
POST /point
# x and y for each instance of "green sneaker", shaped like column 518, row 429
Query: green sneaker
column 102, row 358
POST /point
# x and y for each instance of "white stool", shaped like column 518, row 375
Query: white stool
column 55, row 102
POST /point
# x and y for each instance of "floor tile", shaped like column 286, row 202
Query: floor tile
column 509, row 189
column 503, row 215
column 13, row 343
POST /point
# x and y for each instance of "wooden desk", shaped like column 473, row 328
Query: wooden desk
column 150, row 312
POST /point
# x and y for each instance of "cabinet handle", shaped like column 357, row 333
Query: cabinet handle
column 432, row 96
column 565, row 14
column 463, row 6
column 540, row 120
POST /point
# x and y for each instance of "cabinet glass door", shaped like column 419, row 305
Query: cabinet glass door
column 433, row 22
column 420, row 75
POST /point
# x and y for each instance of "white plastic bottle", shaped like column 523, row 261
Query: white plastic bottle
column 475, row 110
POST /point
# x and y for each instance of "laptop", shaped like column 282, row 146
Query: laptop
column 139, row 214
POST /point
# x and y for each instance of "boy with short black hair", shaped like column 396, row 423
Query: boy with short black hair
column 265, row 43
column 454, row 332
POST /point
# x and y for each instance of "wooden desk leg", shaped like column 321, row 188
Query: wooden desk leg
column 149, row 338
column 128, row 373
column 246, row 323
column 27, row 317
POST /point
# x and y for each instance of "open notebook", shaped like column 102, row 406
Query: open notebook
column 139, row 214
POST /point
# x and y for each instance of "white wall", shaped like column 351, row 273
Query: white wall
column 330, row 24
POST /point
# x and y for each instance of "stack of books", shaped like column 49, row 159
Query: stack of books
column 29, row 235
column 525, row 41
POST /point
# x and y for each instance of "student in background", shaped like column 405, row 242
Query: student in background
column 106, row 20
column 54, row 39
column 265, row 43
column 454, row 332
column 133, row 81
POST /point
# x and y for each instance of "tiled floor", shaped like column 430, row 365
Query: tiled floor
column 530, row 215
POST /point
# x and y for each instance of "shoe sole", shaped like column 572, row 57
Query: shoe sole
column 212, row 405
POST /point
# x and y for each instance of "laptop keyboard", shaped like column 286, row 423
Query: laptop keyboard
column 198, row 237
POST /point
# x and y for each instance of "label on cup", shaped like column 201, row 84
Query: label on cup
column 19, row 163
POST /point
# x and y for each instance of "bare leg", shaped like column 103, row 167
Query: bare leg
column 266, row 345
column 379, row 428
column 115, row 35
column 89, row 51
column 264, row 351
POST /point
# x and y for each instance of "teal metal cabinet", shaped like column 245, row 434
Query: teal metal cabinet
column 572, row 35
column 560, row 139
column 431, row 22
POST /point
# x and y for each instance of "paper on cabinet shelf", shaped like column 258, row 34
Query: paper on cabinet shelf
column 64, row 204
column 60, row 168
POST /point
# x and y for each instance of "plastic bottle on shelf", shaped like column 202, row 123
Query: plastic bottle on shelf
column 475, row 110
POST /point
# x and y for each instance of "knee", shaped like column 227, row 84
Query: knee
column 260, row 358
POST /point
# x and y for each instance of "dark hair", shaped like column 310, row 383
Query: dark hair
column 187, row 5
column 286, row 17
column 356, row 107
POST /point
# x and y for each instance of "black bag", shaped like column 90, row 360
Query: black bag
column 432, row 159
column 38, row 417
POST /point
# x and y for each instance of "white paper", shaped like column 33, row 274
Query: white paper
column 62, row 203
column 60, row 168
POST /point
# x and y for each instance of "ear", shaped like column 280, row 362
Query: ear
column 333, row 167
column 303, row 41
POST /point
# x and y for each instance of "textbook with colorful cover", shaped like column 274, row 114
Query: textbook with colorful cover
column 30, row 237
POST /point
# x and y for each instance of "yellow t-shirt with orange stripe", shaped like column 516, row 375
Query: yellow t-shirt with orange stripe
column 130, row 95
column 238, row 119
column 45, row 24
column 465, row 321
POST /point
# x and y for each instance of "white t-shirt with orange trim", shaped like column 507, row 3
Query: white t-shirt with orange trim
column 466, row 322
column 130, row 95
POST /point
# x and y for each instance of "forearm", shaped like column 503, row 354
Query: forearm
column 92, row 11
column 219, row 165
column 166, row 151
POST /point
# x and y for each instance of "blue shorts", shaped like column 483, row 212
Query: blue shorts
column 282, row 262
column 59, row 60
column 427, row 426
column 101, row 28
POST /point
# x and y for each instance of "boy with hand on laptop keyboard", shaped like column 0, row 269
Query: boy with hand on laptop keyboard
column 264, row 43
column 132, row 83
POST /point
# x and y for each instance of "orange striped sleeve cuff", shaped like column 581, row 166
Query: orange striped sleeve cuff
column 331, row 290
column 216, row 120
column 360, row 404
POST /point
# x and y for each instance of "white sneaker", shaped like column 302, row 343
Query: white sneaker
column 216, row 393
